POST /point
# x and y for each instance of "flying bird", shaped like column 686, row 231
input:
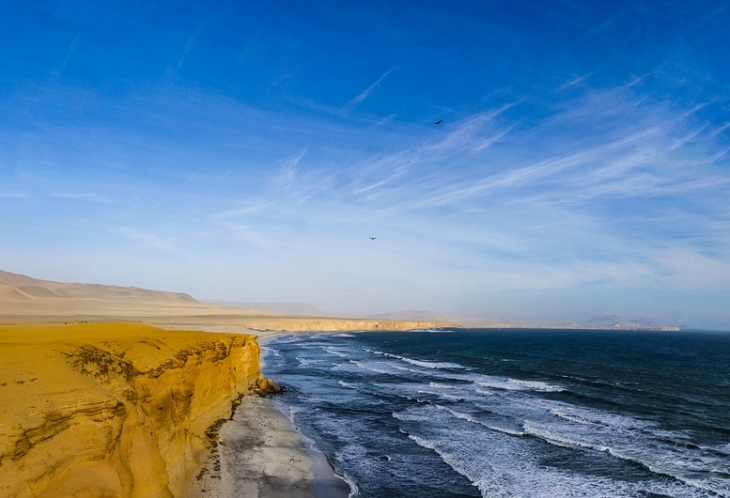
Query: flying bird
column 372, row 238
column 439, row 122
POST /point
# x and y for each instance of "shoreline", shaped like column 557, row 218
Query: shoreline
column 327, row 483
column 258, row 453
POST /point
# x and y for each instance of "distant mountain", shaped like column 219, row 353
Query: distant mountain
column 610, row 321
column 296, row 309
column 25, row 299
column 460, row 320
column 21, row 288
column 20, row 294
column 408, row 315
column 613, row 321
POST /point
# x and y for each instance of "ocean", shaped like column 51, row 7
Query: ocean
column 513, row 413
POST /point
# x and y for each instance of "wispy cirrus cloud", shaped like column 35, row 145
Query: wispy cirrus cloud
column 288, row 173
column 593, row 194
column 349, row 106
column 83, row 196
column 575, row 81
column 581, row 198
column 147, row 238
column 248, row 235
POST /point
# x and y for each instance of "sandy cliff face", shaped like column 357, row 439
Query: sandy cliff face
column 113, row 410
column 313, row 324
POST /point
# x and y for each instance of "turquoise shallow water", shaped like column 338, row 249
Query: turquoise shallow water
column 514, row 413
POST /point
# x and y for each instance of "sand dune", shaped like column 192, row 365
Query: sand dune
column 46, row 289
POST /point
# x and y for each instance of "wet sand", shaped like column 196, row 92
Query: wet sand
column 259, row 455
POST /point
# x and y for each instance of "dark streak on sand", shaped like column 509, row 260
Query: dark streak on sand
column 258, row 454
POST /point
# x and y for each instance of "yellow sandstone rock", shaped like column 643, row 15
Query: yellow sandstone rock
column 114, row 410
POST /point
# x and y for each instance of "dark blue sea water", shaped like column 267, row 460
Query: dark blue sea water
column 503, row 413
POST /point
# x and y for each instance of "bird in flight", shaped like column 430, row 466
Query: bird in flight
column 372, row 238
column 439, row 122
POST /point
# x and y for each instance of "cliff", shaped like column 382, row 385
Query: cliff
column 315, row 324
column 114, row 410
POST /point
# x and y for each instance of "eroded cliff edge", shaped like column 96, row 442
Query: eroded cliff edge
column 114, row 410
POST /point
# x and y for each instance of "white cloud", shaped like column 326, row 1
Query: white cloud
column 365, row 93
column 83, row 196
column 149, row 239
column 600, row 192
column 289, row 171
column 248, row 235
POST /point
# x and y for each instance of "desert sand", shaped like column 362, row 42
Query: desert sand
column 96, row 402
column 26, row 300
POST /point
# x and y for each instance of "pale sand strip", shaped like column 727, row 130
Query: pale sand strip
column 260, row 456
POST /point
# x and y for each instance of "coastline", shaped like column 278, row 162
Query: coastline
column 199, row 460
column 327, row 483
column 259, row 454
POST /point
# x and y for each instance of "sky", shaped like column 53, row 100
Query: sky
column 249, row 150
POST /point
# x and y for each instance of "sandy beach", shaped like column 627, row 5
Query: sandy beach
column 259, row 455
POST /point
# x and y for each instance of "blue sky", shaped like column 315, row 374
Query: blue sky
column 247, row 150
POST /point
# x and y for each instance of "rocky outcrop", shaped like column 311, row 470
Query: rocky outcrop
column 112, row 410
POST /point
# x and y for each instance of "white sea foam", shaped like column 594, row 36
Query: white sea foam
column 494, row 427
column 441, row 395
column 377, row 367
column 499, row 428
column 561, row 424
column 597, row 419
column 508, row 477
column 433, row 364
column 422, row 363
column 510, row 467
column 335, row 351
column 441, row 370
column 266, row 351
column 660, row 451
column 438, row 385
column 517, row 384
column 354, row 490
column 292, row 413
column 287, row 339
column 567, row 426
column 559, row 439
column 305, row 362
column 725, row 448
